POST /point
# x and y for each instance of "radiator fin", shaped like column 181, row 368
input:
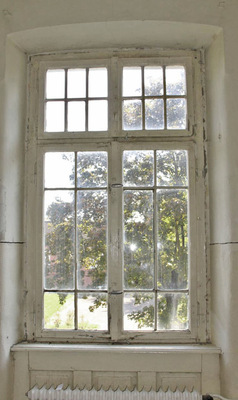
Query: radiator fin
column 59, row 393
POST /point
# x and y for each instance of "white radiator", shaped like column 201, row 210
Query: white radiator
column 76, row 394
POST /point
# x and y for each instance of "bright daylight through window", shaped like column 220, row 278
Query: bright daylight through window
column 117, row 184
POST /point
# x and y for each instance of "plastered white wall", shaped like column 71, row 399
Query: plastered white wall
column 36, row 26
column 223, row 168
column 12, row 127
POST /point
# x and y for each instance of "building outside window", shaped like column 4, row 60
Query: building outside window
column 116, row 210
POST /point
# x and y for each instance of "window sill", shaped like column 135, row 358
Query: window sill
column 175, row 348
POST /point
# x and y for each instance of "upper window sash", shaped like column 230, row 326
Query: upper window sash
column 59, row 97
column 73, row 103
column 164, row 102
column 155, row 113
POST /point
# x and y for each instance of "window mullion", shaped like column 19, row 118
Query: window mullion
column 164, row 95
column 155, row 241
column 143, row 97
column 86, row 102
column 76, row 245
column 66, row 102
column 113, row 101
column 115, row 241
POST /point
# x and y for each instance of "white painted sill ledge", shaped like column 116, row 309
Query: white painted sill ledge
column 139, row 349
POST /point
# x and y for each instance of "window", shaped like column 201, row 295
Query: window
column 78, row 97
column 117, row 240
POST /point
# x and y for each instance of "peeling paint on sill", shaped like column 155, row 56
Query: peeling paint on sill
column 5, row 242
column 222, row 243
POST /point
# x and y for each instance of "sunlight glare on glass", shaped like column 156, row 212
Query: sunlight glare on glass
column 59, row 170
column 55, row 84
column 76, row 83
column 153, row 81
column 97, row 82
column 54, row 116
column 76, row 116
column 132, row 83
column 97, row 115
column 133, row 247
column 175, row 80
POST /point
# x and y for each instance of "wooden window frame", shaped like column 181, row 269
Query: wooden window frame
column 115, row 140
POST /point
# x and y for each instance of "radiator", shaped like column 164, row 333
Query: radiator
column 59, row 393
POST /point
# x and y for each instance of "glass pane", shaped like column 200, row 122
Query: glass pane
column 58, row 311
column 59, row 170
column 97, row 79
column 153, row 77
column 138, row 168
column 76, row 116
column 132, row 115
column 92, row 311
column 92, row 239
column 59, row 239
column 138, row 239
column 172, row 239
column 77, row 83
column 175, row 80
column 132, row 82
column 154, row 114
column 97, row 115
column 139, row 311
column 173, row 311
column 176, row 113
column 54, row 116
column 55, row 84
column 92, row 169
column 171, row 167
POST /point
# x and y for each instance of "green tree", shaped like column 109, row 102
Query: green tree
column 171, row 226
column 59, row 247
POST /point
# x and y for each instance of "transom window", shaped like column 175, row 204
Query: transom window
column 79, row 98
column 117, row 199
column 154, row 98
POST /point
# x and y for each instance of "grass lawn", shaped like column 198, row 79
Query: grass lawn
column 56, row 313
column 61, row 316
